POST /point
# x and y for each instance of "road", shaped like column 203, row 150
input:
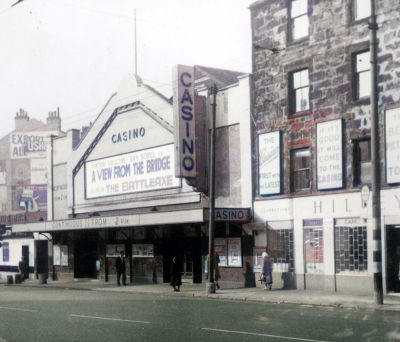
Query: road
column 40, row 314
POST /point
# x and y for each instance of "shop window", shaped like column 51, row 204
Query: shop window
column 351, row 249
column 361, row 9
column 299, row 91
column 362, row 75
column 280, row 244
column 300, row 165
column 362, row 162
column 298, row 19
column 6, row 251
column 314, row 250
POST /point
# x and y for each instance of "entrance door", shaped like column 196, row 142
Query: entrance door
column 85, row 256
column 42, row 257
column 393, row 258
column 25, row 255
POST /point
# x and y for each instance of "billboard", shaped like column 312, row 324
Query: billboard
column 392, row 138
column 145, row 170
column 269, row 161
column 329, row 155
column 184, row 117
column 28, row 144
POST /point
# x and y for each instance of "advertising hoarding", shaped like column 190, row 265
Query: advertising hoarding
column 329, row 155
column 392, row 138
column 269, row 158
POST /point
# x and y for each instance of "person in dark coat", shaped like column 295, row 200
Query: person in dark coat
column 267, row 271
column 175, row 272
column 121, row 269
column 23, row 268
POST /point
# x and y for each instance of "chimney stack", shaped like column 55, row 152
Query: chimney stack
column 21, row 120
column 54, row 120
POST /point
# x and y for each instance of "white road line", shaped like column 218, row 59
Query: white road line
column 264, row 335
column 16, row 309
column 110, row 319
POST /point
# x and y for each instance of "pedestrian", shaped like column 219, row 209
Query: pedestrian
column 217, row 274
column 154, row 268
column 23, row 268
column 175, row 272
column 266, row 275
column 121, row 269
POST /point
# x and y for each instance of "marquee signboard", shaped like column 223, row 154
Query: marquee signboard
column 150, row 169
column 184, row 114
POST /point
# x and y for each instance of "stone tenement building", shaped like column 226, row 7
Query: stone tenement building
column 312, row 128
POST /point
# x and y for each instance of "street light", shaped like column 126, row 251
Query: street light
column 211, row 179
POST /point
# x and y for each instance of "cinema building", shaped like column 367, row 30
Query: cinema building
column 312, row 112
column 117, row 190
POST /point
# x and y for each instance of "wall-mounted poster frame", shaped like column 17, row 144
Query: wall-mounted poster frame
column 392, row 145
column 330, row 154
column 269, row 163
column 230, row 251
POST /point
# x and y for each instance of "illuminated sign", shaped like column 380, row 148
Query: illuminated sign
column 329, row 155
column 151, row 169
column 269, row 159
column 184, row 121
column 392, row 135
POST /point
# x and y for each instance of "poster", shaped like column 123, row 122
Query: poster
column 269, row 159
column 392, row 138
column 221, row 249
column 234, row 252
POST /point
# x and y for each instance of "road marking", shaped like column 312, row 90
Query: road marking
column 110, row 319
column 264, row 335
column 17, row 309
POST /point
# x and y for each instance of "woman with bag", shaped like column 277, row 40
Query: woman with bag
column 267, row 271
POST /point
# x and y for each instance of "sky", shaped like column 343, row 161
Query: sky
column 73, row 54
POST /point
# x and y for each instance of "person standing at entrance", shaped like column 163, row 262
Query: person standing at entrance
column 175, row 272
column 217, row 274
column 267, row 271
column 121, row 269
column 23, row 268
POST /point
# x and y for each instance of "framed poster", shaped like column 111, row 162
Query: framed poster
column 392, row 139
column 269, row 163
column 329, row 155
column 220, row 246
column 114, row 250
column 142, row 250
column 234, row 252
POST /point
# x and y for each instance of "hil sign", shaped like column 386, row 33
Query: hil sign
column 184, row 121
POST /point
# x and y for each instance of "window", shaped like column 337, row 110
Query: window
column 299, row 91
column 298, row 19
column 6, row 251
column 351, row 249
column 281, row 249
column 301, row 162
column 362, row 162
column 362, row 75
column 361, row 9
column 314, row 250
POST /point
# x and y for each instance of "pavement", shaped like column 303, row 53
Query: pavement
column 255, row 294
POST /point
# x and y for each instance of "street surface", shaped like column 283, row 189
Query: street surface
column 49, row 314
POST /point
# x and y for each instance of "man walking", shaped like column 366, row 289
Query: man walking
column 121, row 269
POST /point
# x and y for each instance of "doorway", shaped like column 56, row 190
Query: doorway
column 393, row 258
column 85, row 256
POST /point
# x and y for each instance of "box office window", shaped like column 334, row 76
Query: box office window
column 314, row 250
column 280, row 244
column 300, row 164
column 351, row 249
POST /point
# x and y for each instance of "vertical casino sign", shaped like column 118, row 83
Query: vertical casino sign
column 184, row 114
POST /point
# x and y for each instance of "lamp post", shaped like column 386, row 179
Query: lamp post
column 375, row 183
column 212, row 92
